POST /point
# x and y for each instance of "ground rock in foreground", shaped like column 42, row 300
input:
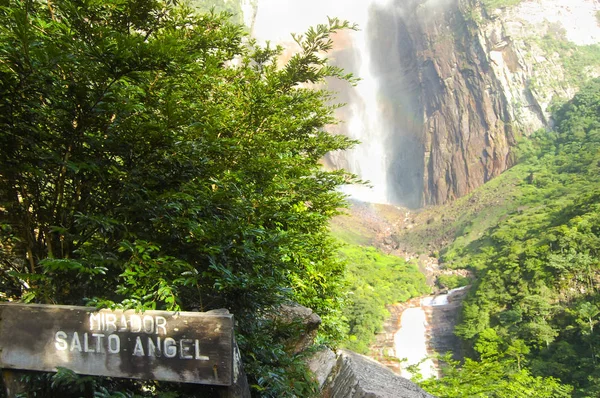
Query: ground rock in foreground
column 357, row 376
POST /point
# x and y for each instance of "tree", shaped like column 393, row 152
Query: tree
column 150, row 157
column 491, row 378
column 585, row 317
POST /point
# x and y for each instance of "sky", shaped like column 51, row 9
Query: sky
column 276, row 19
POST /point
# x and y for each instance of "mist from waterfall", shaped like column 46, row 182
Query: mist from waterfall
column 379, row 112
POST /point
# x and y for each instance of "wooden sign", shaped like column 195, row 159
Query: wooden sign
column 188, row 347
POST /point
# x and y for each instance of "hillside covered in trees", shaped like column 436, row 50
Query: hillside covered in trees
column 534, row 305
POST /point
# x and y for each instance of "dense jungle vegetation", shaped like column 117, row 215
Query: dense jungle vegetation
column 534, row 306
column 154, row 158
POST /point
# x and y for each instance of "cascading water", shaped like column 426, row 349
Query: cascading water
column 380, row 111
column 410, row 343
column 369, row 159
column 428, row 327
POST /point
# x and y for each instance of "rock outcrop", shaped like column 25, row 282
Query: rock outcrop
column 321, row 364
column 442, row 318
column 303, row 320
column 358, row 376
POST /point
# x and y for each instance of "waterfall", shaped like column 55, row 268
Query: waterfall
column 410, row 343
column 429, row 328
column 380, row 110
column 366, row 122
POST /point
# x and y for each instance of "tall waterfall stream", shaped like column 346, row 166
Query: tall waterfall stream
column 417, row 330
column 380, row 110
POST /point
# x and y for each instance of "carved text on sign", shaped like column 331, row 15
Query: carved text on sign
column 110, row 343
column 187, row 347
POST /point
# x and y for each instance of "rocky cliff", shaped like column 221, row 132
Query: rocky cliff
column 466, row 132
column 480, row 78
column 357, row 376
column 449, row 86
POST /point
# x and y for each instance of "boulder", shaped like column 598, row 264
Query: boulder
column 321, row 364
column 357, row 376
column 306, row 323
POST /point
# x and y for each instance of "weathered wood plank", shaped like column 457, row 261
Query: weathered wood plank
column 189, row 347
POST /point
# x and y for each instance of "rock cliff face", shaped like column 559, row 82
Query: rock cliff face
column 466, row 132
column 477, row 81
column 448, row 86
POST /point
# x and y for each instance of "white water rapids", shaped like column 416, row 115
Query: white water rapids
column 411, row 340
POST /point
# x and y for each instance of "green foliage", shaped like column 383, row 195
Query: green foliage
column 452, row 281
column 376, row 280
column 491, row 5
column 151, row 159
column 538, row 270
column 446, row 230
column 492, row 378
column 67, row 384
column 234, row 8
